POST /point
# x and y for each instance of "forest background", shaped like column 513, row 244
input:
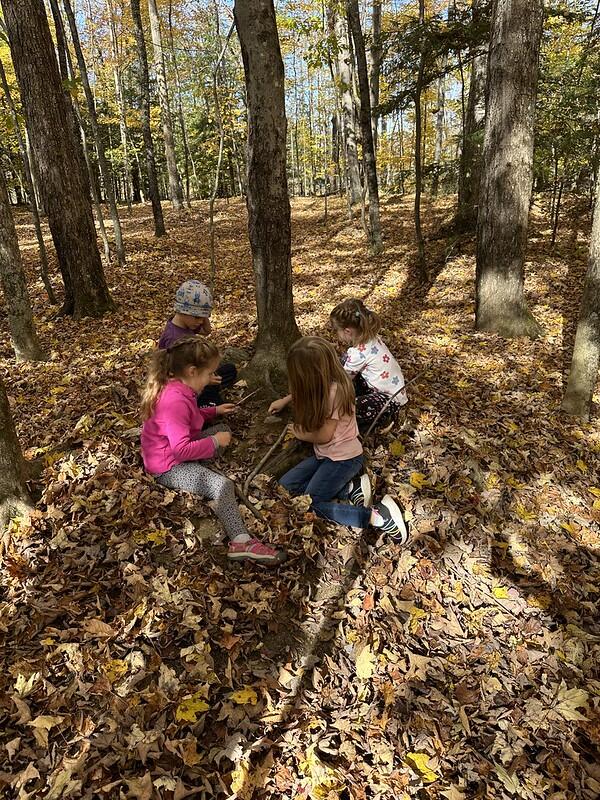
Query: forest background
column 134, row 662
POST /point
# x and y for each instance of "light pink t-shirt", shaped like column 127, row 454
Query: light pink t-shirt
column 345, row 443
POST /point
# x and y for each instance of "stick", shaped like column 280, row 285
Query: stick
column 265, row 458
column 247, row 397
column 401, row 389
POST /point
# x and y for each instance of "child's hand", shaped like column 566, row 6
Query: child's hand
column 223, row 438
column 215, row 379
column 226, row 408
column 277, row 405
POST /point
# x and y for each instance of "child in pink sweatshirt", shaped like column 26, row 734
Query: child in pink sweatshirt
column 175, row 440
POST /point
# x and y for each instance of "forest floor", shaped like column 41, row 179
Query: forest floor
column 136, row 663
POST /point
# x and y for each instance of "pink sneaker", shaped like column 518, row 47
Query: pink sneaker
column 255, row 550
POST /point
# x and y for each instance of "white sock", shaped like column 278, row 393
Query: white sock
column 376, row 519
column 241, row 538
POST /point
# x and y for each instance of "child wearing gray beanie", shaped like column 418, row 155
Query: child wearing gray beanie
column 193, row 307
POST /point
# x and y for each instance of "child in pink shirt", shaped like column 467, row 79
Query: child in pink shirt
column 323, row 398
column 176, row 442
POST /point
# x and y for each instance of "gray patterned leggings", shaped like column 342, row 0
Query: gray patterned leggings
column 194, row 477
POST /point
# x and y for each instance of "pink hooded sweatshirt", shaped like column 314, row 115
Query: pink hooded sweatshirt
column 170, row 436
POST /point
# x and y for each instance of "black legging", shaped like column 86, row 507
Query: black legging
column 212, row 394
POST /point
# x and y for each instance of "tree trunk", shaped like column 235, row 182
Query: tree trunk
column 506, row 183
column 376, row 56
column 118, row 80
column 344, row 81
column 175, row 191
column 369, row 162
column 14, row 285
column 14, row 497
column 421, row 266
column 58, row 155
column 144, row 85
column 68, row 75
column 439, row 133
column 269, row 224
column 105, row 170
column 583, row 374
column 33, row 204
column 469, row 177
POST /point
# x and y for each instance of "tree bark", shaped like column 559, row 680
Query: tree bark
column 144, row 87
column 118, row 81
column 376, row 56
column 58, row 155
column 269, row 223
column 175, row 190
column 421, row 266
column 507, row 169
column 33, row 202
column 469, row 177
column 14, row 497
column 105, row 170
column 344, row 81
column 369, row 162
column 439, row 133
column 14, row 285
column 583, row 374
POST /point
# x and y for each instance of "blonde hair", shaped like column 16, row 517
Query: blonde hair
column 313, row 366
column 190, row 351
column 354, row 314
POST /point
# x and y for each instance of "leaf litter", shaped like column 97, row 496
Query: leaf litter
column 136, row 663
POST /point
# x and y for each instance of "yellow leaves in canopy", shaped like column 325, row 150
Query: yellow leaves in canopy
column 420, row 763
column 245, row 696
column 190, row 707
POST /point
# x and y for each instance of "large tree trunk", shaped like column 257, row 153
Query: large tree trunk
column 175, row 190
column 269, row 224
column 586, row 350
column 344, row 81
column 508, row 169
column 33, row 201
column 14, row 498
column 469, row 177
column 20, row 319
column 105, row 170
column 144, row 85
column 421, row 265
column 369, row 162
column 58, row 155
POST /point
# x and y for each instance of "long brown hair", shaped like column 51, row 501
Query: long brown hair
column 313, row 366
column 190, row 351
column 354, row 314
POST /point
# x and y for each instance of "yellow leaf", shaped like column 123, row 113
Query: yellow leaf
column 320, row 779
column 501, row 592
column 418, row 480
column 397, row 448
column 365, row 663
column 244, row 696
column 582, row 466
column 416, row 614
column 420, row 763
column 523, row 513
column 240, row 777
column 114, row 669
column 596, row 505
column 539, row 601
column 190, row 707
column 568, row 527
column 594, row 490
column 568, row 702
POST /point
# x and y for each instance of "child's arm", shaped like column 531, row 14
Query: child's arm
column 321, row 436
column 176, row 425
column 278, row 405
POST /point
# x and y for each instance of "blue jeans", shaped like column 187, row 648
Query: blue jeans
column 325, row 480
